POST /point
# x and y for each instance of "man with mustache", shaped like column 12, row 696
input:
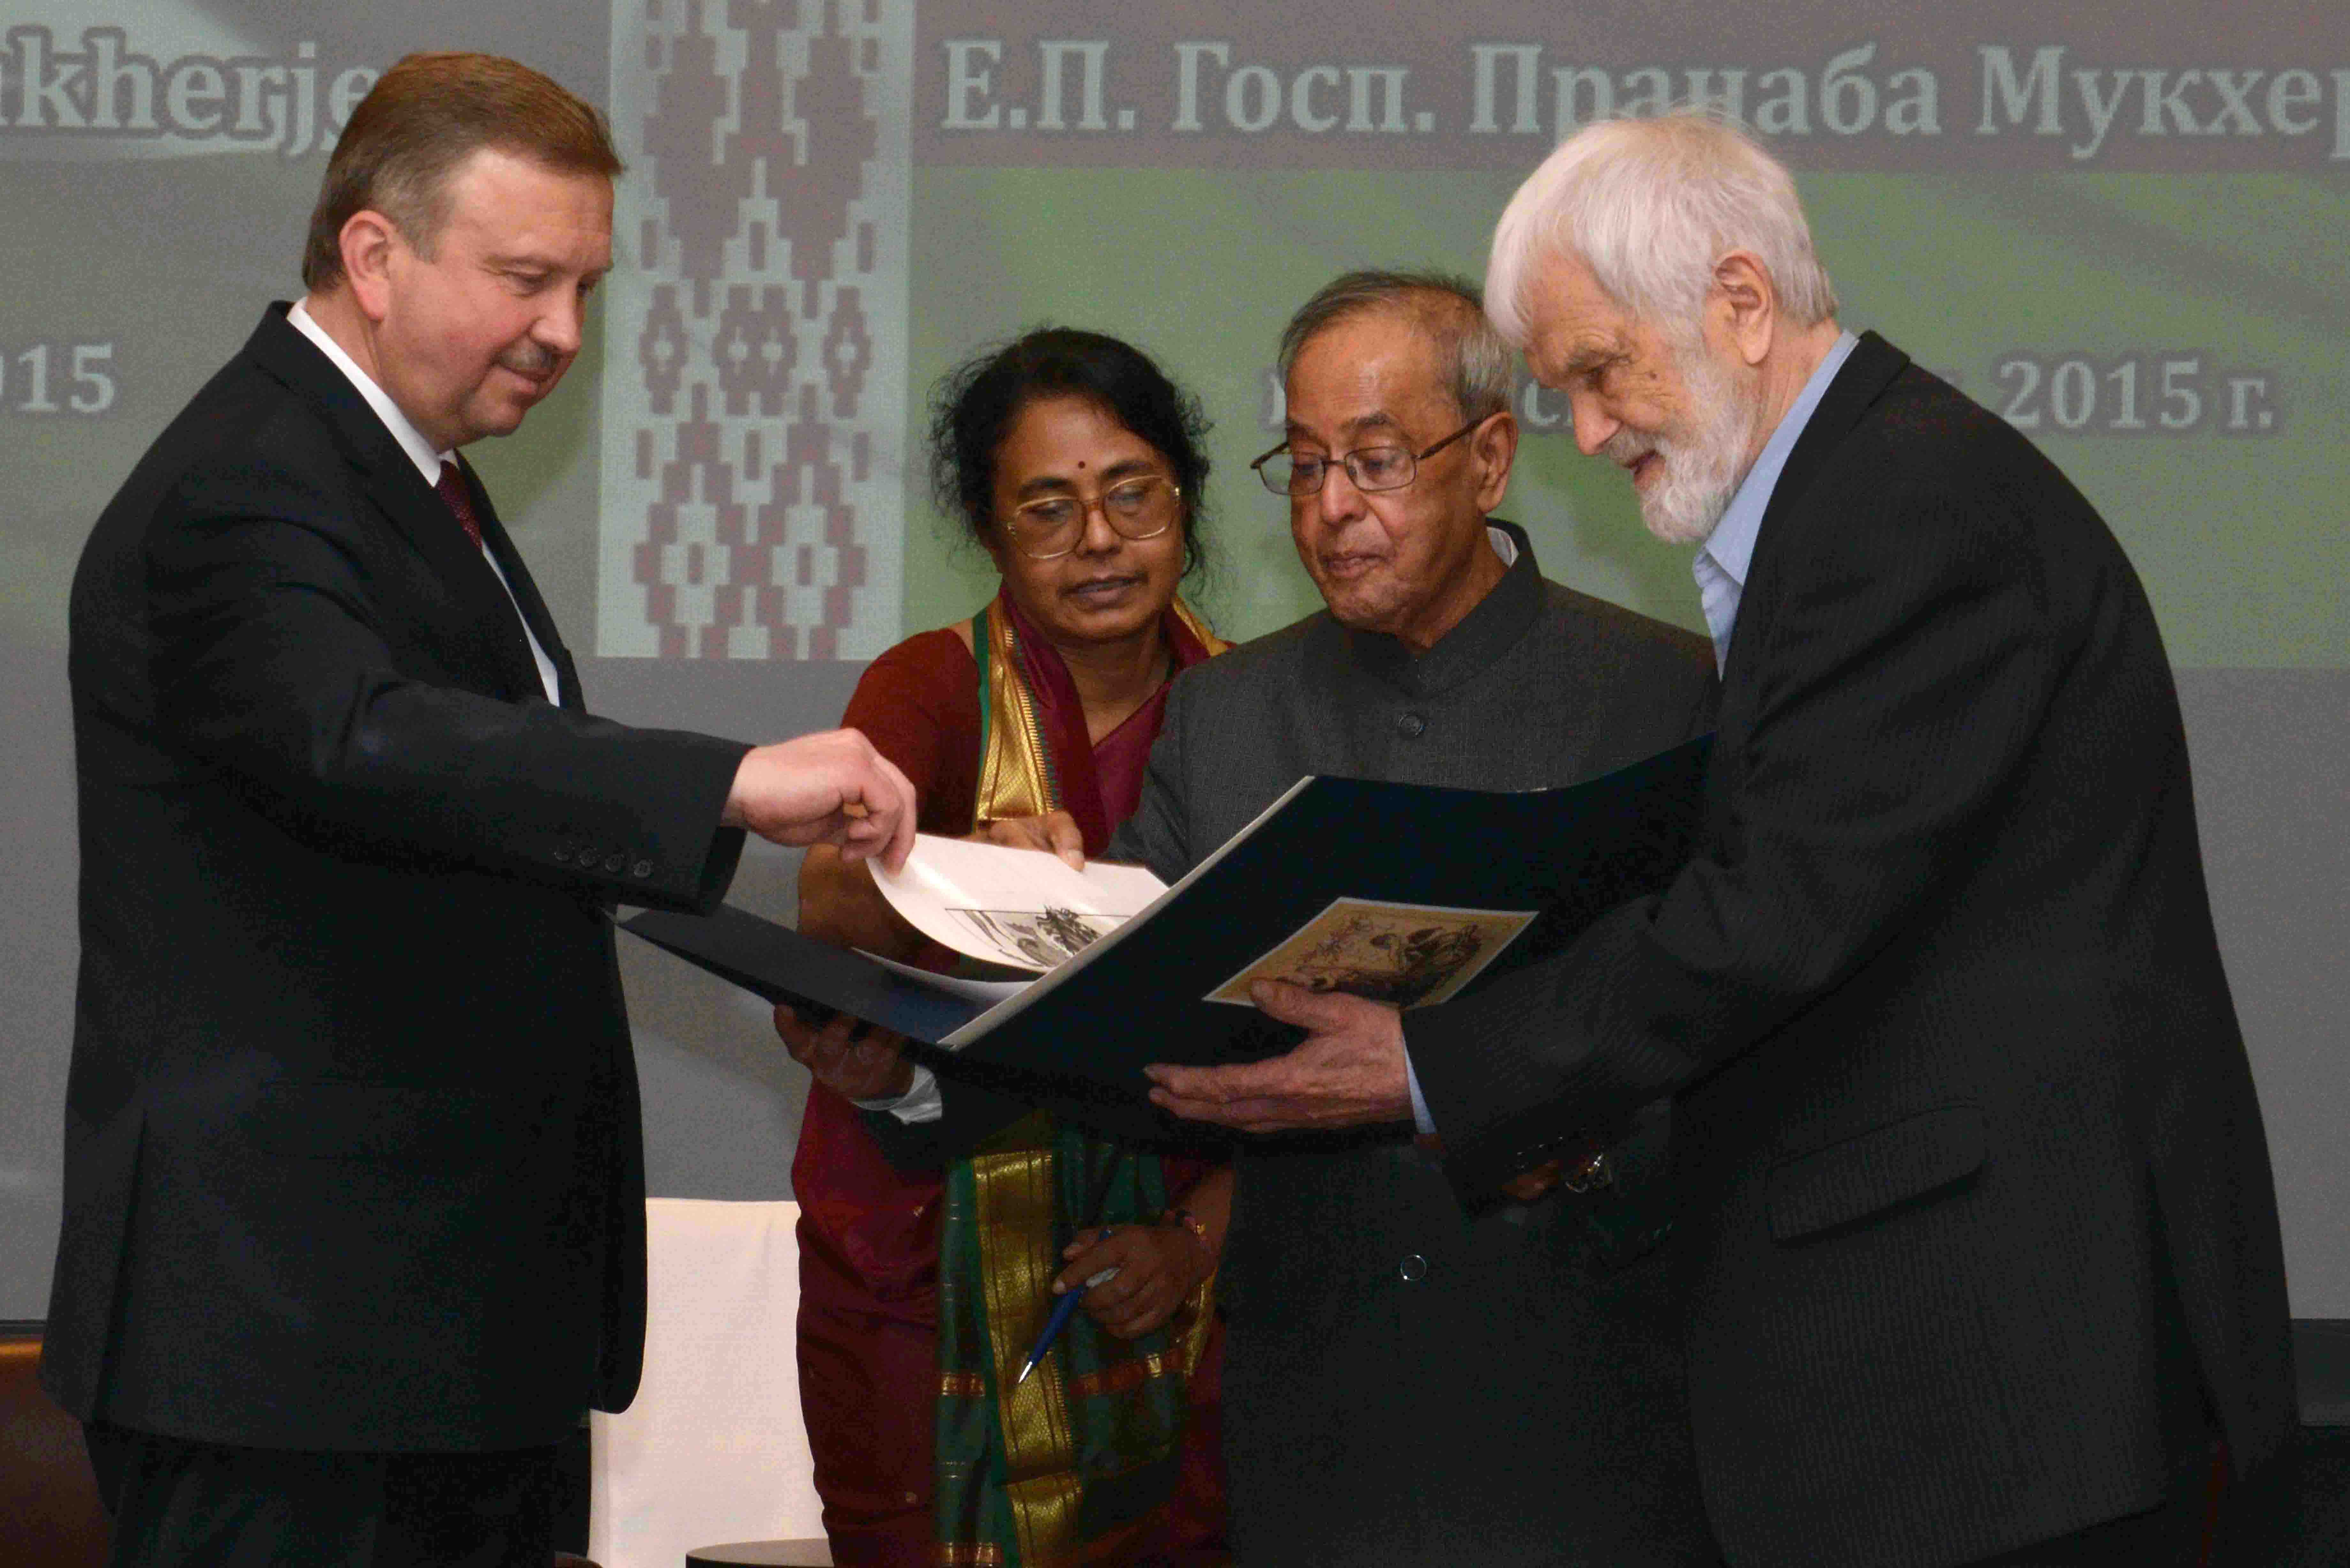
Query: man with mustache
column 1976, row 1218
column 1409, row 1379
column 354, row 1217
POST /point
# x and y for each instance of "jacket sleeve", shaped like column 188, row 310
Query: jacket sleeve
column 1900, row 676
column 277, row 663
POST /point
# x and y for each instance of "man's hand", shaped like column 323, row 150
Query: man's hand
column 1348, row 1071
column 828, row 788
column 854, row 1060
column 1055, row 832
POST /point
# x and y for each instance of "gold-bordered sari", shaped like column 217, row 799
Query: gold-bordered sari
column 1072, row 1465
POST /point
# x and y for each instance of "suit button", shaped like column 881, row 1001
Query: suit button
column 1412, row 1268
column 642, row 868
column 1410, row 725
column 612, row 863
column 562, row 856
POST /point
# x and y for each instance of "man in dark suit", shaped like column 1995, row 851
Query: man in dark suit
column 1393, row 1362
column 353, row 1199
column 1977, row 1222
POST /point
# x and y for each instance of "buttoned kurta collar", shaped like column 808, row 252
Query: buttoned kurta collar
column 1490, row 629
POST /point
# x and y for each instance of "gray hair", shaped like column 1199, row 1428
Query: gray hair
column 1651, row 206
column 1446, row 307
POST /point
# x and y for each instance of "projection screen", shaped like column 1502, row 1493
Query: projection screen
column 2121, row 226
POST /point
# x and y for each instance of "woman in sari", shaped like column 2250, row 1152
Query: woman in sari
column 1077, row 466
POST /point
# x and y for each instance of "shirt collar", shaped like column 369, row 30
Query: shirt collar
column 1731, row 546
column 411, row 439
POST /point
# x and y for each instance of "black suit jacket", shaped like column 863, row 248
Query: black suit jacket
column 1974, row 1178
column 352, row 1156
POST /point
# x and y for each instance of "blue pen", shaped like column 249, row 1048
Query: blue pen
column 1059, row 1320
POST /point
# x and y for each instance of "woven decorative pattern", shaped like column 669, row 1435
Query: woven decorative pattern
column 754, row 394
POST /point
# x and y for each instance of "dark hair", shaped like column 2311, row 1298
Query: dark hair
column 1471, row 355
column 427, row 114
column 973, row 408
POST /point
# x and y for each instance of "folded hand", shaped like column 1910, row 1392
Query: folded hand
column 829, row 788
column 1158, row 1267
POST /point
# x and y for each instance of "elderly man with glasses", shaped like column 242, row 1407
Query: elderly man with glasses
column 1407, row 1380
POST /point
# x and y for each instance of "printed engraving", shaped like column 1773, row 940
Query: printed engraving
column 1407, row 955
column 1028, row 939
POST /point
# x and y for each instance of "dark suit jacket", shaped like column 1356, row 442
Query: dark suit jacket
column 352, row 1156
column 1406, row 1381
column 1974, row 1178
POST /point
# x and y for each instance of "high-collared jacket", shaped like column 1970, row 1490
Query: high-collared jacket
column 1410, row 1379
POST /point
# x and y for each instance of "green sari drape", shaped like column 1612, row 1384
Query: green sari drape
column 1071, row 1466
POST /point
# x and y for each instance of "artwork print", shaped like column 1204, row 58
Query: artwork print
column 1036, row 940
column 1406, row 955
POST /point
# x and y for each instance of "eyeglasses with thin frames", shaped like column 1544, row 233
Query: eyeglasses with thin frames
column 1370, row 469
column 1053, row 525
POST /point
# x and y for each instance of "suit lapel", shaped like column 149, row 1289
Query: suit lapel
column 1865, row 375
column 481, row 617
column 1871, row 370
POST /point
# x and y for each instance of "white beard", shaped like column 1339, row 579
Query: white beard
column 1704, row 456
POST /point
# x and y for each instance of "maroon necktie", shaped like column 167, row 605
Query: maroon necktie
column 452, row 490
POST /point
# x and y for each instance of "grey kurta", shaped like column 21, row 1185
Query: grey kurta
column 1406, row 1383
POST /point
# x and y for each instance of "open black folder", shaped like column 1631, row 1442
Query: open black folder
column 1406, row 892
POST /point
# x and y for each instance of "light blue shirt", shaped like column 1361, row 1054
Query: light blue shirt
column 1722, row 562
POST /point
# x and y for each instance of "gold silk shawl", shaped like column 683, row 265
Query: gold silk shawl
column 1016, row 777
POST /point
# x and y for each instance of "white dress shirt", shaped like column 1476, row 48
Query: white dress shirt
column 428, row 463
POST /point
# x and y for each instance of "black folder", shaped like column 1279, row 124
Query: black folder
column 1078, row 1037
column 773, row 960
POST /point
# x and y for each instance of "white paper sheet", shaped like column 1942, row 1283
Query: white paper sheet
column 1019, row 907
column 983, row 991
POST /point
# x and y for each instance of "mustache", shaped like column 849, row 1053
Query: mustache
column 1626, row 447
column 529, row 358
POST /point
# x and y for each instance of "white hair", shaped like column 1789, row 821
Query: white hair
column 1651, row 206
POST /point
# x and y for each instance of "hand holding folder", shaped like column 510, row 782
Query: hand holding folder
column 1348, row 1071
column 1333, row 887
